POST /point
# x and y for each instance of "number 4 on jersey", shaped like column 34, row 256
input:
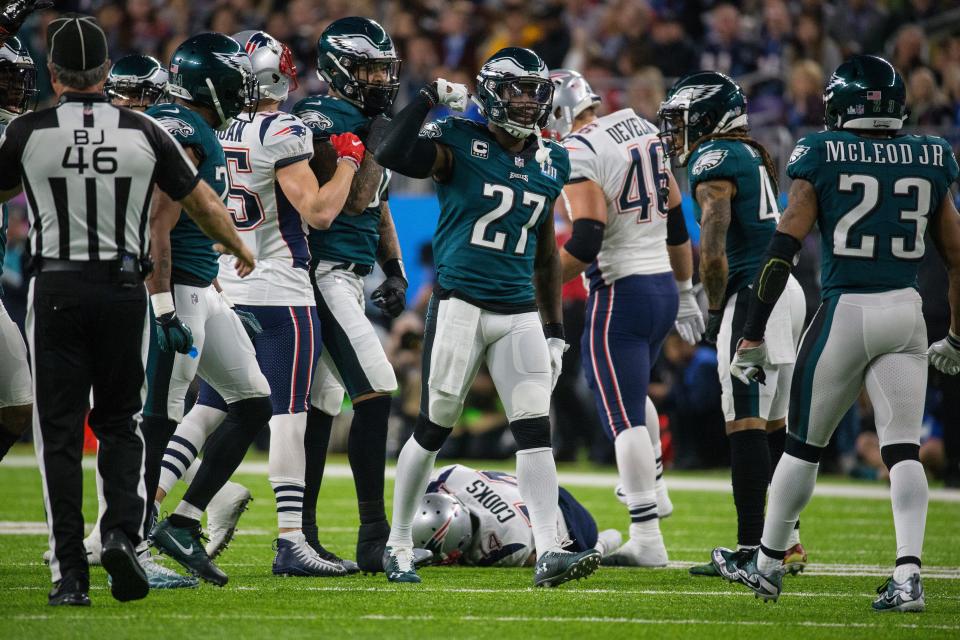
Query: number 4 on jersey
column 646, row 177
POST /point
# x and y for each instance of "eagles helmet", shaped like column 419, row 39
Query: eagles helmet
column 514, row 91
column 137, row 80
column 572, row 96
column 272, row 63
column 212, row 70
column 357, row 58
column 865, row 92
column 443, row 526
column 18, row 80
column 698, row 105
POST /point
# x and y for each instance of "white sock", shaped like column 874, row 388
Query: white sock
column 191, row 471
column 540, row 490
column 295, row 537
column 908, row 493
column 186, row 443
column 903, row 572
column 286, row 467
column 637, row 468
column 790, row 491
column 653, row 430
column 187, row 510
column 794, row 537
column 413, row 473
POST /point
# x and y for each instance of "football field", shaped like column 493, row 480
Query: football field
column 847, row 530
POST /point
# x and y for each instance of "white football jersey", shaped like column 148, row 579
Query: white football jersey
column 504, row 537
column 623, row 155
column 267, row 221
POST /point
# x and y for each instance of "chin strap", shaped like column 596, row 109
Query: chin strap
column 543, row 153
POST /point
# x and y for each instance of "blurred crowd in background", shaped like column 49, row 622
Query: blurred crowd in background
column 781, row 51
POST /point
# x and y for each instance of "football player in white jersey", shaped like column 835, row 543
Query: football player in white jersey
column 629, row 235
column 478, row 518
column 273, row 196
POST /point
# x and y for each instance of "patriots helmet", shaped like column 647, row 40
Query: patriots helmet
column 865, row 92
column 443, row 526
column 18, row 80
column 272, row 63
column 356, row 57
column 137, row 81
column 514, row 91
column 572, row 96
column 698, row 105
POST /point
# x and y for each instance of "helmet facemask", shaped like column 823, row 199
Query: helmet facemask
column 518, row 105
column 674, row 132
column 136, row 95
column 369, row 83
column 18, row 90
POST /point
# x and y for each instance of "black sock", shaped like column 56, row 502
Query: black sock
column 367, row 451
column 7, row 440
column 315, row 442
column 182, row 522
column 776, row 440
column 750, row 472
column 223, row 454
column 156, row 434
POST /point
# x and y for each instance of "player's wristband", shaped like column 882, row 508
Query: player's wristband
column 553, row 330
column 953, row 340
column 394, row 268
column 352, row 161
column 162, row 303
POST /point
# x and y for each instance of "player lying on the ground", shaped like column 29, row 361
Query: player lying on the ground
column 479, row 518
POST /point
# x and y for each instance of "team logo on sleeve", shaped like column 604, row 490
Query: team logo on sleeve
column 708, row 160
column 292, row 130
column 316, row 120
column 430, row 130
column 175, row 126
column 798, row 152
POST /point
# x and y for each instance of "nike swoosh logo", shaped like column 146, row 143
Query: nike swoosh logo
column 186, row 551
column 356, row 143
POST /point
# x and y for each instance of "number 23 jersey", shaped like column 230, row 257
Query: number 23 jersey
column 491, row 210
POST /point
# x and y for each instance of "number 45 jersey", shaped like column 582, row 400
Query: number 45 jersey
column 875, row 198
column 623, row 155
column 491, row 210
column 267, row 221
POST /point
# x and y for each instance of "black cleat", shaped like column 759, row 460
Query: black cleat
column 556, row 567
column 70, row 591
column 128, row 580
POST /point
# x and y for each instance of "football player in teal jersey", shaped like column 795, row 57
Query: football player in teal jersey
column 137, row 82
column 874, row 193
column 18, row 94
column 732, row 180
column 357, row 59
column 497, row 299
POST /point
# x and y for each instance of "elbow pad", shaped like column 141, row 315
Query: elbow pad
column 584, row 243
column 676, row 227
column 781, row 256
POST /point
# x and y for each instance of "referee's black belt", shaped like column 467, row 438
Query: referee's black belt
column 48, row 265
column 361, row 270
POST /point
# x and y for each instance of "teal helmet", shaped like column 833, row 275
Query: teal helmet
column 514, row 91
column 698, row 105
column 212, row 70
column 357, row 58
column 138, row 80
column 865, row 92
column 18, row 80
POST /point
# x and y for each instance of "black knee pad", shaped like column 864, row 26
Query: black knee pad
column 894, row 453
column 251, row 414
column 429, row 435
column 531, row 433
column 802, row 450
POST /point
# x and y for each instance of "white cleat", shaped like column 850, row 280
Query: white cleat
column 608, row 541
column 635, row 552
column 223, row 513
column 664, row 504
column 92, row 546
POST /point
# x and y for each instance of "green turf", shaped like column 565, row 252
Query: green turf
column 494, row 603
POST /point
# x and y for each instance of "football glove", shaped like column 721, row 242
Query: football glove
column 249, row 321
column 689, row 322
column 714, row 321
column 348, row 147
column 450, row 94
column 557, row 347
column 172, row 334
column 391, row 296
column 15, row 12
column 944, row 355
column 748, row 364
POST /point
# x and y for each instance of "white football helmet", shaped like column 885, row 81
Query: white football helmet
column 272, row 64
column 443, row 526
column 572, row 96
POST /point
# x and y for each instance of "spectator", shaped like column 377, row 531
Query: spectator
column 776, row 49
column 909, row 49
column 675, row 52
column 855, row 24
column 456, row 44
column 725, row 50
column 514, row 29
column 928, row 104
column 814, row 44
column 555, row 41
column 805, row 95
column 645, row 92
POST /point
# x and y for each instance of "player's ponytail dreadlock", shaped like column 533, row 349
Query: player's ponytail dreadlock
column 740, row 135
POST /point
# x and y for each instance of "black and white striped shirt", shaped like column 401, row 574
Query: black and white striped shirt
column 88, row 169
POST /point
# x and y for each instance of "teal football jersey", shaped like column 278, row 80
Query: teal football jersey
column 193, row 258
column 755, row 209
column 491, row 211
column 875, row 197
column 350, row 238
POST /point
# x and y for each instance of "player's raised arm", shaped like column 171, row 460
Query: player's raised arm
column 945, row 354
column 715, row 198
column 404, row 150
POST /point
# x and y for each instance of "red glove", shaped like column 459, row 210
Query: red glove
column 348, row 147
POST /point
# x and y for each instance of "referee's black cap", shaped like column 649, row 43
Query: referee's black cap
column 75, row 41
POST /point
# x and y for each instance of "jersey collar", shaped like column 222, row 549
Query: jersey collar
column 76, row 96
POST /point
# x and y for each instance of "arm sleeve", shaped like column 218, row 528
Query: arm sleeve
column 405, row 153
column 287, row 141
column 11, row 150
column 176, row 175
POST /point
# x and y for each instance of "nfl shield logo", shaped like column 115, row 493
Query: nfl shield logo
column 194, row 298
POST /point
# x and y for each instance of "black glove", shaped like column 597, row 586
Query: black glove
column 250, row 323
column 391, row 296
column 172, row 334
column 714, row 320
column 15, row 12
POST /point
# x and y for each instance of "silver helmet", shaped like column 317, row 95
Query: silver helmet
column 572, row 96
column 272, row 63
column 442, row 525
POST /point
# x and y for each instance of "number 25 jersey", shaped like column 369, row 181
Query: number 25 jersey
column 267, row 221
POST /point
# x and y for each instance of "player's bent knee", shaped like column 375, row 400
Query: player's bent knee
column 252, row 413
column 529, row 400
column 531, row 433
column 429, row 435
column 444, row 408
column 899, row 452
column 17, row 419
column 802, row 450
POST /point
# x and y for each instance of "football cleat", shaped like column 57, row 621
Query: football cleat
column 298, row 559
column 741, row 566
column 223, row 512
column 638, row 553
column 608, row 541
column 185, row 545
column 350, row 566
column 91, row 545
column 556, row 567
column 664, row 504
column 372, row 545
column 900, row 596
column 70, row 591
column 706, row 570
column 160, row 577
column 127, row 578
column 796, row 559
column 398, row 564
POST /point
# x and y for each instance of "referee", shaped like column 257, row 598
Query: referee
column 88, row 170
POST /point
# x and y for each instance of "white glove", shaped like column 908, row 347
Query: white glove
column 944, row 355
column 689, row 323
column 452, row 94
column 557, row 347
column 748, row 364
